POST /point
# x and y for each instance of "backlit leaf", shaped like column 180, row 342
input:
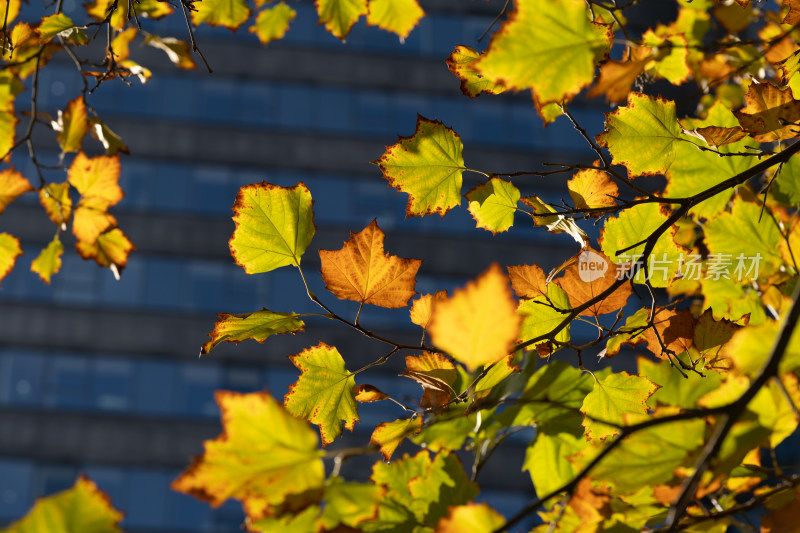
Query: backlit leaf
column 493, row 205
column 590, row 275
column 771, row 113
column 396, row 16
column 121, row 45
column 611, row 399
column 324, row 393
column 542, row 314
column 72, row 125
column 228, row 13
column 362, row 272
column 676, row 389
column 642, row 135
column 671, row 59
column 84, row 508
column 717, row 136
column 473, row 517
column 427, row 166
column 274, row 225
column 257, row 326
column 110, row 250
column 154, row 9
column 555, row 223
column 90, row 219
column 749, row 349
column 111, row 141
column 48, row 262
column 546, row 459
column 479, row 323
column 57, row 202
column 340, row 15
column 548, row 47
column 60, row 24
column 590, row 188
column 617, row 77
column 9, row 251
column 462, row 63
column 634, row 225
column 786, row 186
column 349, row 503
column 273, row 22
column 10, row 10
column 422, row 306
column 177, row 51
column 368, row 393
column 389, row 435
column 528, row 281
column 96, row 177
column 783, row 519
column 263, row 456
column 435, row 374
column 675, row 329
column 12, row 186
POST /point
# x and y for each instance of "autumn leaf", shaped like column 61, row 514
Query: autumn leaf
column 676, row 389
column 324, row 394
column 340, row 15
column 675, row 329
column 72, row 125
column 48, row 262
column 783, row 519
column 111, row 249
column 367, row 393
column 642, row 135
column 479, row 323
column 274, row 225
column 349, row 503
column 771, row 113
column 427, row 166
column 389, row 435
column 84, row 508
column 435, row 374
column 591, row 189
column 542, row 314
column 12, row 186
column 60, row 24
column 473, row 517
column 9, row 251
column 57, row 202
column 617, row 77
column 588, row 277
column 421, row 308
column 178, row 52
column 111, row 141
column 550, row 48
column 153, row 9
column 10, row 9
column 611, row 400
column 545, row 215
column 396, row 16
column 462, row 63
column 90, row 219
column 228, row 13
column 264, row 455
column 493, row 205
column 273, row 22
column 96, row 177
column 257, row 326
column 528, row 281
column 362, row 272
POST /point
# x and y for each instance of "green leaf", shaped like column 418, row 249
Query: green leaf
column 634, row 225
column 747, row 236
column 48, row 262
column 389, row 435
column 643, row 135
column 787, row 185
column 228, row 13
column 60, row 24
column 257, row 326
column 304, row 521
column 427, row 166
column 274, row 226
column 9, row 251
column 546, row 460
column 340, row 15
column 273, row 23
column 750, row 347
column 83, row 508
column 462, row 63
column 548, row 47
column 493, row 205
column 540, row 315
column 324, row 394
column 349, row 503
column 612, row 399
column 674, row 388
column 631, row 333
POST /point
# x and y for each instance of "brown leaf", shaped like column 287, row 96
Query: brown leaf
column 588, row 276
column 528, row 281
column 783, row 520
column 362, row 272
column 435, row 374
column 793, row 16
column 676, row 329
column 771, row 113
column 719, row 136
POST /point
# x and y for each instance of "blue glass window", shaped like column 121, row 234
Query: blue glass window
column 21, row 378
column 113, row 385
column 16, row 494
column 154, row 392
column 67, row 382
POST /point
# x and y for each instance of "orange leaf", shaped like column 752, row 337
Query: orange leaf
column 421, row 308
column 528, row 281
column 362, row 272
column 111, row 249
column 57, row 202
column 589, row 276
column 91, row 219
column 718, row 136
column 479, row 324
column 368, row 393
column 617, row 77
column 783, row 519
column 12, row 186
column 389, row 435
column 96, row 177
column 435, row 374
column 676, row 329
column 592, row 188
column 771, row 114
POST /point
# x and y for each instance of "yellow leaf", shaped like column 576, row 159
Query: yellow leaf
column 462, row 63
column 389, row 435
column 591, row 188
column 396, row 16
column 770, row 114
column 493, row 205
column 421, row 308
column 362, row 272
column 473, row 517
column 57, row 202
column 264, row 456
column 121, row 44
column 9, row 251
column 12, row 186
column 90, row 219
column 368, row 393
column 228, row 13
column 96, row 177
column 177, row 51
column 550, row 47
column 111, row 249
column 257, row 326
column 612, row 399
column 340, row 15
column 478, row 324
column 617, row 77
column 10, row 10
column 273, row 22
column 48, row 261
column 435, row 374
column 72, row 125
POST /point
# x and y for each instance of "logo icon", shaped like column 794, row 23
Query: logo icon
column 591, row 266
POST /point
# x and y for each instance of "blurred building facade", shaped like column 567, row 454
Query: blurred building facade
column 102, row 377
